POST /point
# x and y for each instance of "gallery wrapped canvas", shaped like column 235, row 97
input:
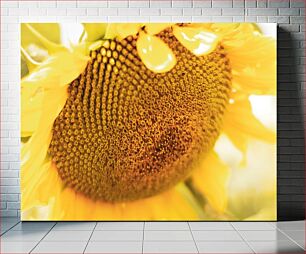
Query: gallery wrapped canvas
column 148, row 121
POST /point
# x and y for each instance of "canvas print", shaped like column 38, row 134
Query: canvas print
column 148, row 121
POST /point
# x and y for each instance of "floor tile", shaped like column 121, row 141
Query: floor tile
column 119, row 226
column 166, row 226
column 216, row 236
column 62, row 226
column 23, row 236
column 69, row 236
column 273, row 235
column 60, row 247
column 276, row 247
column 295, row 235
column 291, row 225
column 17, row 247
column 169, row 236
column 223, row 247
column 252, row 226
column 301, row 243
column 169, row 247
column 99, row 236
column 114, row 247
column 211, row 226
column 33, row 226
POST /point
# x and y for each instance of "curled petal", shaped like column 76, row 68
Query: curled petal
column 196, row 39
column 154, row 53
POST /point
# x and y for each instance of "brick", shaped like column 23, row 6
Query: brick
column 128, row 12
column 177, row 19
column 150, row 12
column 172, row 11
column 76, row 11
column 13, row 205
column 38, row 11
column 211, row 12
column 160, row 4
column 291, row 198
column 278, row 3
column 192, row 12
column 233, row 12
column 202, row 3
column 178, row 3
column 139, row 4
column 27, row 4
column 291, row 182
column 291, row 174
column 160, row 19
column 2, row 206
column 262, row 3
column 222, row 3
column 9, row 197
column 238, row 19
column 46, row 4
column 250, row 3
column 262, row 12
column 9, row 213
column 238, row 3
column 291, row 150
column 290, row 190
column 9, row 173
column 57, row 12
column 118, row 4
column 18, row 12
column 222, row 19
column 297, row 3
column 278, row 19
column 92, row 4
column 289, row 11
column 201, row 19
column 251, row 19
column 66, row 4
column 8, row 181
column 290, row 27
column 92, row 12
column 297, row 19
column 108, row 11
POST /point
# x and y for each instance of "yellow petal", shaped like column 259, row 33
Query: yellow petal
column 126, row 29
column 253, row 59
column 211, row 178
column 94, row 31
column 239, row 117
column 58, row 70
column 40, row 35
column 155, row 28
column 154, row 53
column 31, row 63
column 199, row 41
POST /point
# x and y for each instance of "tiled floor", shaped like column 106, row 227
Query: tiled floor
column 152, row 237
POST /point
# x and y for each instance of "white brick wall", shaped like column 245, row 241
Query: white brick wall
column 290, row 15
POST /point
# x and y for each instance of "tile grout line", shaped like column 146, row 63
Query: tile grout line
column 290, row 238
column 244, row 240
column 90, row 237
column 42, row 238
column 143, row 231
column 10, row 228
column 193, row 237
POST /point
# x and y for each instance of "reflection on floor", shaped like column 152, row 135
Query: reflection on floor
column 152, row 237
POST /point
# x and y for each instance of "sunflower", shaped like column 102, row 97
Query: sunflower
column 147, row 122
